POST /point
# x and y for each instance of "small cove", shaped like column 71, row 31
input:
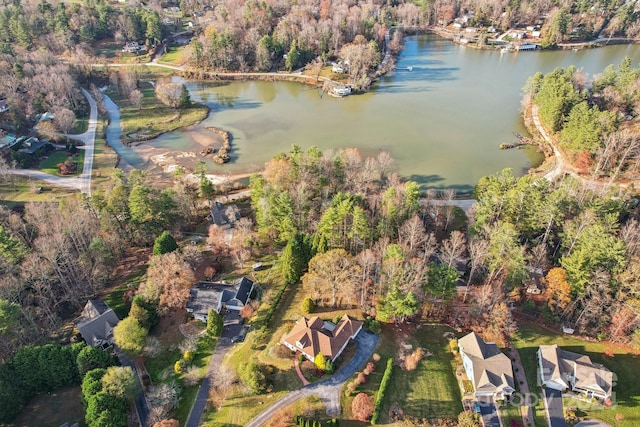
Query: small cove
column 443, row 121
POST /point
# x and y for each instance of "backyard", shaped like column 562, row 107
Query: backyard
column 430, row 391
column 625, row 365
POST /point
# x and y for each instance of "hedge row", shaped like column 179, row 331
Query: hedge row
column 272, row 309
column 383, row 387
column 303, row 422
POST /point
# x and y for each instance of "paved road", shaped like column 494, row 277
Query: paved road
column 81, row 182
column 489, row 412
column 328, row 390
column 553, row 408
column 232, row 327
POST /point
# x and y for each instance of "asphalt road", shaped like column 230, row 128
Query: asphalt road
column 81, row 182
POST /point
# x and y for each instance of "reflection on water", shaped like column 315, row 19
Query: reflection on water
column 443, row 121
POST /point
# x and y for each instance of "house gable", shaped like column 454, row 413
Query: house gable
column 486, row 366
column 96, row 323
column 311, row 337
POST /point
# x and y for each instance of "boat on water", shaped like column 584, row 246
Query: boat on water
column 340, row 91
column 409, row 68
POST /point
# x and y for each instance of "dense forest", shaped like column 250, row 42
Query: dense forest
column 370, row 241
column 595, row 120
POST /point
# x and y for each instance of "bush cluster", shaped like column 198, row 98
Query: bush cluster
column 303, row 422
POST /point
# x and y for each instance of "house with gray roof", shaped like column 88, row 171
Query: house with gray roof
column 564, row 370
column 486, row 366
column 224, row 216
column 96, row 323
column 207, row 295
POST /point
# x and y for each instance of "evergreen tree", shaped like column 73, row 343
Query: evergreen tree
column 164, row 244
column 185, row 99
column 215, row 323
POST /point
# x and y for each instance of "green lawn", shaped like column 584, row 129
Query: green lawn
column 105, row 159
column 624, row 365
column 153, row 118
column 173, row 56
column 48, row 165
column 17, row 190
column 431, row 391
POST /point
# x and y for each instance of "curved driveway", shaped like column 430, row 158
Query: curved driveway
column 327, row 390
column 81, row 182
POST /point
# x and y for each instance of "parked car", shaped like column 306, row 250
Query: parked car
column 257, row 266
column 237, row 338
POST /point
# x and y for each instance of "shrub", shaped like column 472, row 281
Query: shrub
column 320, row 361
column 361, row 378
column 411, row 362
column 178, row 367
column 253, row 376
column 91, row 358
column 376, row 357
column 192, row 376
column 381, row 391
column 301, row 358
column 362, row 407
column 215, row 323
column 308, row 305
column 188, row 356
column 369, row 369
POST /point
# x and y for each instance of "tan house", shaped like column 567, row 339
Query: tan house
column 486, row 366
column 563, row 370
column 313, row 336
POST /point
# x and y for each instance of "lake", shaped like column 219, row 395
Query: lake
column 443, row 121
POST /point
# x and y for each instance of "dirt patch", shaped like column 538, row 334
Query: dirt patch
column 53, row 409
column 167, row 328
column 194, row 327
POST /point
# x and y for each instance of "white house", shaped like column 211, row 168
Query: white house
column 563, row 370
column 486, row 366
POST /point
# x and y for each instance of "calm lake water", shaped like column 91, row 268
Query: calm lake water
column 442, row 122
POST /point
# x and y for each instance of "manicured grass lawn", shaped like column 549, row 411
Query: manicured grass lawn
column 431, row 390
column 82, row 124
column 173, row 56
column 53, row 409
column 17, row 190
column 624, row 365
column 104, row 159
column 48, row 165
column 153, row 117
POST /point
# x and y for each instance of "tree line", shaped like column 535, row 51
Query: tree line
column 593, row 118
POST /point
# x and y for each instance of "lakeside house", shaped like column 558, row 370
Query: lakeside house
column 314, row 336
column 96, row 323
column 224, row 216
column 564, row 370
column 207, row 296
column 487, row 367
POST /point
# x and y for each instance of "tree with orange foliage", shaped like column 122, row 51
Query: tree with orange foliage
column 558, row 289
column 362, row 407
column 167, row 423
column 169, row 279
